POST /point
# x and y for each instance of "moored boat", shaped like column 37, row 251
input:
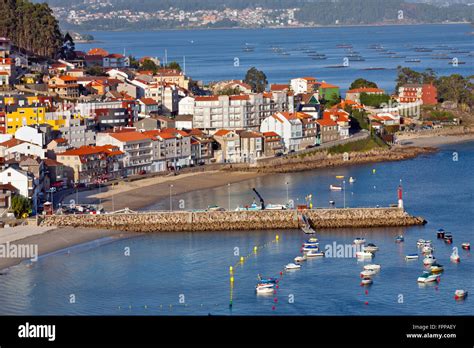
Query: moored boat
column 352, row 180
column 399, row 239
column 448, row 238
column 315, row 253
column 427, row 277
column 299, row 259
column 436, row 268
column 371, row 248
column 440, row 233
column 311, row 248
column 364, row 254
column 466, row 246
column 335, row 188
column 373, row 267
column 429, row 260
column 411, row 257
column 264, row 289
column 359, row 240
column 455, row 256
column 460, row 294
column 366, row 281
column 292, row 266
column 367, row 273
column 312, row 240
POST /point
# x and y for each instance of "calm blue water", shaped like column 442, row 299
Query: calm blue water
column 211, row 54
column 162, row 267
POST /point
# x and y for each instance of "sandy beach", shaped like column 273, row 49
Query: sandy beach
column 142, row 193
column 58, row 239
column 437, row 141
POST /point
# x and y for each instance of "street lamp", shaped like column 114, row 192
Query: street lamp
column 287, row 195
column 171, row 202
column 51, row 193
column 344, row 189
column 228, row 194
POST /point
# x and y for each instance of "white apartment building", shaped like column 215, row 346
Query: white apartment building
column 288, row 126
column 239, row 111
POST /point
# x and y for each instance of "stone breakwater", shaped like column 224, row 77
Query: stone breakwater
column 242, row 220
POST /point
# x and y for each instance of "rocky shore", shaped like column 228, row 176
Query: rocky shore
column 323, row 159
column 238, row 220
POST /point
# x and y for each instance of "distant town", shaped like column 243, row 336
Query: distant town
column 95, row 117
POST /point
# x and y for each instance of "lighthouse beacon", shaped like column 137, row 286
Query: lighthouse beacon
column 400, row 196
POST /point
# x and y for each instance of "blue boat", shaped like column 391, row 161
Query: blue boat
column 267, row 280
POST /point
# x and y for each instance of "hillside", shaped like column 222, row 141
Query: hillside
column 31, row 27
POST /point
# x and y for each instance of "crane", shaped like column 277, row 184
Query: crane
column 260, row 197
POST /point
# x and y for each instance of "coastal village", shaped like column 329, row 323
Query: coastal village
column 63, row 128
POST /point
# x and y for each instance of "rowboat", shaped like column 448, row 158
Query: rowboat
column 411, row 257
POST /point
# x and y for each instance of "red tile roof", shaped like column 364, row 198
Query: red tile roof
column 207, row 98
column 221, row 132
column 326, row 122
column 148, row 101
column 270, row 134
column 12, row 142
column 129, row 136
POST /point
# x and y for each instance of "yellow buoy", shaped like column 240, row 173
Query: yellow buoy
column 255, row 249
column 242, row 259
column 277, row 237
column 231, row 279
column 231, row 269
column 373, row 171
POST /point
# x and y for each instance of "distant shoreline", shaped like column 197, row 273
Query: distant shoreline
column 272, row 28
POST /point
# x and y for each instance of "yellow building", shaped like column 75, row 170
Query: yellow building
column 18, row 116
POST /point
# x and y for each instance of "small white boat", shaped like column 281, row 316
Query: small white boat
column 300, row 259
column 335, row 188
column 427, row 250
column 292, row 266
column 359, row 240
column 310, row 244
column 315, row 253
column 460, row 294
column 411, row 257
column 427, row 277
column 371, row 248
column 429, row 260
column 364, row 254
column 372, row 267
column 352, row 180
column 367, row 273
column 455, row 256
column 311, row 248
column 366, row 281
column 265, row 290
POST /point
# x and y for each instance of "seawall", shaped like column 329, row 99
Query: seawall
column 238, row 220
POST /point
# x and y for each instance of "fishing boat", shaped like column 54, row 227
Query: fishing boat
column 371, row 248
column 299, row 259
column 427, row 277
column 292, row 266
column 436, row 268
column 335, row 188
column 367, row 273
column 364, row 254
column 366, row 281
column 455, row 256
column 352, row 180
column 399, row 239
column 466, row 246
column 411, row 257
column 359, row 240
column 440, row 233
column 429, row 260
column 460, row 294
column 315, row 253
column 372, row 267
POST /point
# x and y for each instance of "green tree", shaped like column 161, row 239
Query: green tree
column 360, row 83
column 256, row 79
column 134, row 63
column 21, row 206
column 456, row 88
column 95, row 71
column 173, row 65
column 229, row 91
column 374, row 100
column 148, row 64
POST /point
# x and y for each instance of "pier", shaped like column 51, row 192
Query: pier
column 178, row 221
